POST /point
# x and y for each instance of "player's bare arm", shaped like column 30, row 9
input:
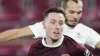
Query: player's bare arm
column 15, row 33
column 98, row 45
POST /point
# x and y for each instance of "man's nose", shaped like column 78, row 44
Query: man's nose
column 57, row 27
column 75, row 15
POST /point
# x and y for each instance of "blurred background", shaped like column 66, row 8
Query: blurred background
column 20, row 13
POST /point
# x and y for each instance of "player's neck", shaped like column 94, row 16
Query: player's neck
column 71, row 26
column 51, row 42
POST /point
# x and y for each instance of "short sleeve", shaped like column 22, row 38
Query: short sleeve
column 38, row 30
column 91, row 36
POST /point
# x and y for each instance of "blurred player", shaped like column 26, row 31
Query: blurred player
column 55, row 44
column 72, row 27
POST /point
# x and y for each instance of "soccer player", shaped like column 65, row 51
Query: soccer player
column 72, row 27
column 55, row 44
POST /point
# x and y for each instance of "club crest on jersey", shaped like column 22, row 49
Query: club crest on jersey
column 79, row 35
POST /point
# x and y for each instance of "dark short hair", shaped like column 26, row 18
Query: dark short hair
column 53, row 10
column 64, row 2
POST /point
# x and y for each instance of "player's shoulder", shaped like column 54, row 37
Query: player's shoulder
column 81, row 27
column 36, row 26
column 37, row 42
column 72, row 42
column 68, row 39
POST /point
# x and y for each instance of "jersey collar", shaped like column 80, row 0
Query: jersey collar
column 52, row 46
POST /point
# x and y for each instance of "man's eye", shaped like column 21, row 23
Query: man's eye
column 72, row 12
column 53, row 22
column 61, row 23
column 79, row 12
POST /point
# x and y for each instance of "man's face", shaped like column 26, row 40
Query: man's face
column 73, row 12
column 53, row 25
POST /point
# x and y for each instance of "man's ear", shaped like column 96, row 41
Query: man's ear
column 43, row 23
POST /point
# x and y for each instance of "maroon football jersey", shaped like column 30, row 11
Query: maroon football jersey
column 68, row 48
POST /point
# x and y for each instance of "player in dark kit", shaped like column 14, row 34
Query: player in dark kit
column 68, row 47
column 55, row 44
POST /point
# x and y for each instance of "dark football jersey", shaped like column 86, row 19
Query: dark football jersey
column 68, row 47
